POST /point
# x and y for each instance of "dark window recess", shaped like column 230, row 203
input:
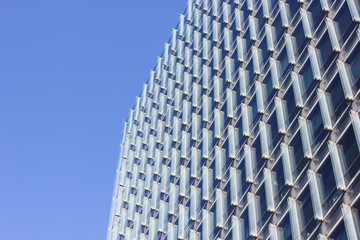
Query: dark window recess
column 328, row 183
column 285, row 228
column 345, row 22
column 270, row 91
column 337, row 97
column 318, row 132
column 264, row 214
column 261, row 19
column 354, row 61
column 280, row 180
column 275, row 135
column 326, row 51
column 255, row 115
column 245, row 217
column 339, row 232
column 351, row 152
column 279, row 29
column 308, row 214
column 285, row 66
column 316, row 12
column 264, row 50
column 307, row 79
column 260, row 162
column 300, row 161
column 299, row 36
column 294, row 7
column 292, row 110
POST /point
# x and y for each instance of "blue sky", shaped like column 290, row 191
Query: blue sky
column 69, row 73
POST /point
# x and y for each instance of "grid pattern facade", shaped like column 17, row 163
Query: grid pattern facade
column 248, row 127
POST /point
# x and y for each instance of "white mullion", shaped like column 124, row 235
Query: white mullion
column 275, row 73
column 314, row 61
column 207, row 183
column 270, row 33
column 355, row 120
column 233, row 141
column 219, row 162
column 325, row 108
column 253, row 213
column 226, row 12
column 227, row 39
column 290, row 41
column 295, row 218
column 298, row 89
column 229, row 69
column 270, row 189
column 196, row 127
column 354, row 9
column 306, row 22
column 235, row 186
column 306, row 138
column 221, row 208
column 195, row 202
column 231, row 102
column 287, row 156
column 218, row 88
column 189, row 33
column 241, row 46
column 280, row 114
column 208, row 224
column 195, row 162
column 245, row 119
column 260, row 92
column 175, row 162
column 249, row 163
column 333, row 34
column 351, row 221
column 317, row 194
column 238, row 228
column 219, row 122
column 284, row 13
column 346, row 79
column 216, row 31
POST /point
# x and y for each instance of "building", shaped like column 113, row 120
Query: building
column 248, row 127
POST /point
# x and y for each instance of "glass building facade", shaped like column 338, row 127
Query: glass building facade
column 248, row 127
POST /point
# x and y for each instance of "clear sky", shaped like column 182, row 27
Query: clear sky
column 69, row 73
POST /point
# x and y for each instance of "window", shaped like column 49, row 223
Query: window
column 351, row 152
column 344, row 20
column 317, row 13
column 270, row 91
column 307, row 78
column 279, row 29
column 329, row 184
column 307, row 209
column 339, row 232
column 294, row 7
column 275, row 135
column 326, row 52
column 337, row 97
column 290, row 105
column 285, row 67
column 280, row 180
column 264, row 214
column 299, row 36
column 265, row 50
column 300, row 161
column 317, row 127
column 354, row 62
column 259, row 161
column 286, row 228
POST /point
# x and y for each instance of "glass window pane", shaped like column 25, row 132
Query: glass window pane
column 351, row 152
